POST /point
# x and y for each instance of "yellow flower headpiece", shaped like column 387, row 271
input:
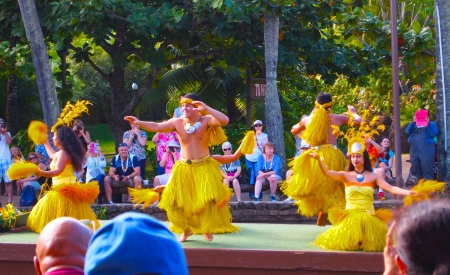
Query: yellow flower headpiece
column 186, row 101
column 356, row 146
column 70, row 113
column 326, row 105
column 364, row 131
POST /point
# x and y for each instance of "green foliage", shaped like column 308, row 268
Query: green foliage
column 103, row 134
column 103, row 215
column 22, row 140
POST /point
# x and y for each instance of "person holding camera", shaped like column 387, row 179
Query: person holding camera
column 136, row 141
column 168, row 159
column 78, row 128
column 5, row 158
column 268, row 166
column 95, row 164
column 123, row 171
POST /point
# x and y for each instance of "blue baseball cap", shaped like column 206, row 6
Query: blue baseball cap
column 134, row 243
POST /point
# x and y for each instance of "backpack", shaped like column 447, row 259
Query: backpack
column 28, row 196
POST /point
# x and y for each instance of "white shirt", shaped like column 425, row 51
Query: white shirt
column 261, row 140
column 4, row 148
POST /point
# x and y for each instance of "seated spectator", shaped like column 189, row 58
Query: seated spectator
column 268, row 167
column 16, row 156
column 61, row 247
column 134, row 243
column 84, row 136
column 177, row 112
column 96, row 164
column 168, row 159
column 32, row 180
column 123, row 171
column 42, row 153
column 421, row 240
column 136, row 141
column 161, row 139
column 232, row 171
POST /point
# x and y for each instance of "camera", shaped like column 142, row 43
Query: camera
column 2, row 125
column 79, row 128
column 121, row 177
column 172, row 149
column 135, row 136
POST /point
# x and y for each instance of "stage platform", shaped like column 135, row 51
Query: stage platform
column 256, row 249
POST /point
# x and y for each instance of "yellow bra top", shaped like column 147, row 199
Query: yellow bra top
column 359, row 196
column 66, row 176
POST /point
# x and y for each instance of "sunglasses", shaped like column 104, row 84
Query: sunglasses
column 123, row 144
column 227, row 149
column 30, row 158
column 258, row 125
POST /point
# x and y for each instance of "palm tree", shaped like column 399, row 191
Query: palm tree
column 443, row 86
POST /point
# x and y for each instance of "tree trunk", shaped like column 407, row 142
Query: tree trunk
column 119, row 104
column 12, row 105
column 274, row 120
column 46, row 85
column 443, row 88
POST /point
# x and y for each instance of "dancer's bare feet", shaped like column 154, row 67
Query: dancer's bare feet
column 185, row 235
column 321, row 218
column 208, row 237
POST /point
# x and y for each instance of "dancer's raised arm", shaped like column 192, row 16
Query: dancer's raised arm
column 166, row 126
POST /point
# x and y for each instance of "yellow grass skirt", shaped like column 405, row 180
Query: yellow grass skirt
column 355, row 230
column 65, row 200
column 196, row 199
column 309, row 187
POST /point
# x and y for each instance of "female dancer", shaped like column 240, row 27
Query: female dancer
column 358, row 226
column 67, row 197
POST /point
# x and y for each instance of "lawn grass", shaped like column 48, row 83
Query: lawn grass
column 103, row 134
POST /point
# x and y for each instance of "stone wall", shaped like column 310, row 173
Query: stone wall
column 245, row 212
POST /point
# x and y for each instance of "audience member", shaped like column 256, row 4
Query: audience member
column 96, row 164
column 177, row 112
column 32, row 180
column 16, row 155
column 161, row 139
column 136, row 141
column 421, row 240
column 268, row 168
column 5, row 158
column 252, row 159
column 422, row 152
column 132, row 244
column 123, row 171
column 78, row 128
column 373, row 149
column 168, row 159
column 61, row 247
column 303, row 147
column 42, row 153
column 232, row 171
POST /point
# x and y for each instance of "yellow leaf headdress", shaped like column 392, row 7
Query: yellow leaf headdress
column 70, row 113
column 355, row 135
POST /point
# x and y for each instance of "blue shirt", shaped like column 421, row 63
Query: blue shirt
column 386, row 161
column 432, row 131
column 128, row 165
column 274, row 165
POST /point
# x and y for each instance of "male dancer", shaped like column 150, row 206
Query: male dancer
column 195, row 199
column 313, row 192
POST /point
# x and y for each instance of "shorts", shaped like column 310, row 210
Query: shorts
column 163, row 179
column 4, row 166
column 278, row 178
column 129, row 182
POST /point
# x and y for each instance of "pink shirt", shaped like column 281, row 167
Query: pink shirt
column 162, row 142
column 170, row 163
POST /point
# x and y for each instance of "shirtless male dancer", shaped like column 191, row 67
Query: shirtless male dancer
column 195, row 199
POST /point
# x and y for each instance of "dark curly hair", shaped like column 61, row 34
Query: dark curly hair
column 72, row 145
